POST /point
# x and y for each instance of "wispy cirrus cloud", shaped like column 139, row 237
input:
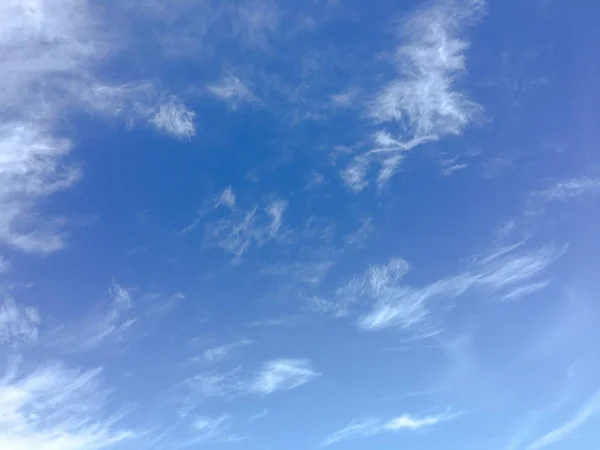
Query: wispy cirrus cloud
column 274, row 376
column 233, row 91
column 52, row 52
column 381, row 298
column 17, row 323
column 573, row 187
column 109, row 323
column 282, row 374
column 253, row 228
column 507, row 275
column 56, row 407
column 588, row 411
column 224, row 351
column 217, row 429
column 421, row 104
column 374, row 425
column 176, row 119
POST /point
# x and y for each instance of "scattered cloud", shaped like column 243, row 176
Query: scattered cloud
column 308, row 272
column 52, row 52
column 574, row 187
column 55, row 407
column 344, row 99
column 505, row 274
column 587, row 412
column 227, row 198
column 282, row 374
column 449, row 166
column 259, row 415
column 421, row 103
column 247, row 229
column 31, row 169
column 175, row 119
column 107, row 324
column 274, row 375
column 17, row 323
column 358, row 237
column 382, row 300
column 373, row 425
column 213, row 429
column 223, row 352
column 233, row 91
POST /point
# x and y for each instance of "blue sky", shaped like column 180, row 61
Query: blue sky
column 327, row 224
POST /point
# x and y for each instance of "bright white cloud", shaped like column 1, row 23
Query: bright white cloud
column 587, row 412
column 282, row 374
column 31, row 169
column 373, row 425
column 421, row 103
column 175, row 119
column 55, row 408
column 506, row 273
column 233, row 91
column 51, row 51
column 17, row 323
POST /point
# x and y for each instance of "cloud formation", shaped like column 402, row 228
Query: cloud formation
column 233, row 91
column 373, row 425
column 421, row 104
column 255, row 228
column 274, row 376
column 282, row 374
column 52, row 52
column 586, row 413
column 17, row 323
column 382, row 300
column 55, row 407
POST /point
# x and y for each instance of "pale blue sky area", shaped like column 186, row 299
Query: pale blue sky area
column 265, row 225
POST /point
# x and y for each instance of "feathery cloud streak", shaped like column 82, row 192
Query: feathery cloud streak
column 421, row 104
column 373, row 425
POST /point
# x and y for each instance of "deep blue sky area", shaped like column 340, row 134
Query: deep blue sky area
column 262, row 224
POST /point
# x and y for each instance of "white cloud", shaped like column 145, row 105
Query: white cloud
column 233, row 91
column 213, row 384
column 275, row 375
column 282, row 374
column 175, row 119
column 421, row 103
column 52, row 51
column 56, row 408
column 310, row 271
column 31, row 169
column 344, row 99
column 223, row 352
column 587, row 412
column 213, row 429
column 358, row 237
column 107, row 324
column 570, row 188
column 17, row 323
column 227, row 198
column 256, row 228
column 373, row 425
column 449, row 166
column 382, row 300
